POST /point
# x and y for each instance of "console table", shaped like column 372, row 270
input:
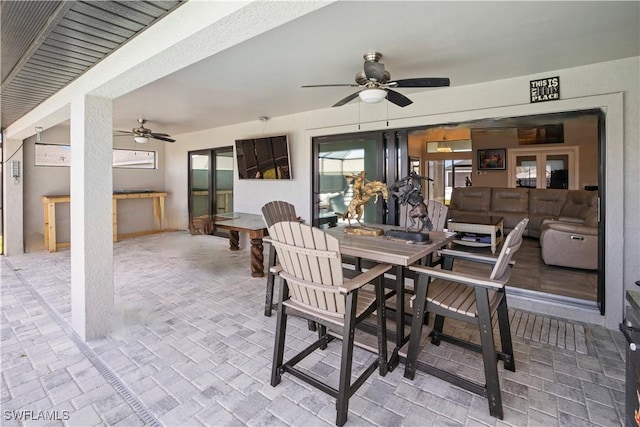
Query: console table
column 49, row 205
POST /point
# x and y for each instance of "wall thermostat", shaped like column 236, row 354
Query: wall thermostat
column 15, row 169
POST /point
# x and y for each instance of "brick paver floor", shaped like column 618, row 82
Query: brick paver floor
column 190, row 346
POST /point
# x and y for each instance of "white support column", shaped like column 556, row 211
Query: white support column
column 91, row 221
column 13, row 200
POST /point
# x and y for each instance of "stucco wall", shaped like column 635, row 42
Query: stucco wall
column 133, row 215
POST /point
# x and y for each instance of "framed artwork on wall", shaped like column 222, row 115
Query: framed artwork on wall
column 492, row 159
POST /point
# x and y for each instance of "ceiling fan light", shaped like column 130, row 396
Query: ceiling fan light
column 141, row 139
column 373, row 95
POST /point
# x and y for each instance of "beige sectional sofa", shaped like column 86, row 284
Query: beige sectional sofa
column 565, row 221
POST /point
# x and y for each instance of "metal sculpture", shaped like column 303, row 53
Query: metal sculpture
column 408, row 191
column 363, row 191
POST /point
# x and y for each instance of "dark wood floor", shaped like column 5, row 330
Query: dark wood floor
column 533, row 274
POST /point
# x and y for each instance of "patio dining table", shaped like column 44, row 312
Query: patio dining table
column 398, row 253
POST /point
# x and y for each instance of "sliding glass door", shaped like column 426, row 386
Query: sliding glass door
column 381, row 155
column 199, row 185
column 210, row 186
column 223, row 181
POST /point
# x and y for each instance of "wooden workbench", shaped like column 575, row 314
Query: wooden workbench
column 49, row 205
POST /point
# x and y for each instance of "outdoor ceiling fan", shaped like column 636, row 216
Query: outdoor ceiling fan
column 375, row 83
column 142, row 134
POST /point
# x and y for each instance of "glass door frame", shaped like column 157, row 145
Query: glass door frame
column 392, row 162
column 212, row 198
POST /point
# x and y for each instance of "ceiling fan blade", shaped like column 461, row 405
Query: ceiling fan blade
column 422, row 82
column 374, row 70
column 159, row 134
column 333, row 85
column 347, row 99
column 397, row 98
column 161, row 138
column 128, row 132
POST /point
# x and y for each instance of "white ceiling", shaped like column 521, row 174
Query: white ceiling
column 469, row 42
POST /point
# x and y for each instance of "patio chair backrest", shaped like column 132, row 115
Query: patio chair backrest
column 311, row 265
column 277, row 211
column 437, row 213
column 510, row 246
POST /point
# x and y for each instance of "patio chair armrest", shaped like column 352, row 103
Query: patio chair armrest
column 468, row 256
column 364, row 278
column 348, row 286
column 276, row 269
column 463, row 278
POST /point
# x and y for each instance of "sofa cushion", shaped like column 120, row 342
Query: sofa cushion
column 582, row 205
column 546, row 202
column 471, row 199
column 511, row 219
column 510, row 200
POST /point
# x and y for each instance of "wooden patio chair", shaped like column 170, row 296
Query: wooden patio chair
column 438, row 213
column 274, row 212
column 277, row 211
column 312, row 286
column 472, row 299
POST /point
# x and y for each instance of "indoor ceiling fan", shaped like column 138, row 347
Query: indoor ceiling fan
column 142, row 134
column 376, row 85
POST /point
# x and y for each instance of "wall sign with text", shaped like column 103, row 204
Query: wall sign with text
column 547, row 89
